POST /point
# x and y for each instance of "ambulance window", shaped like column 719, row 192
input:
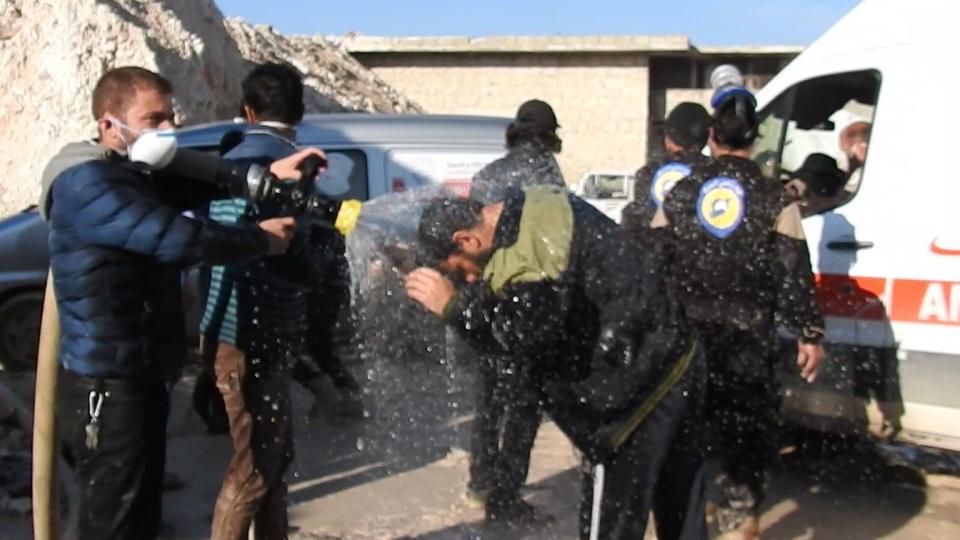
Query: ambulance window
column 830, row 116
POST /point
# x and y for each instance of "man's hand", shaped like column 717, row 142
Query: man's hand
column 809, row 357
column 287, row 168
column 430, row 288
column 280, row 232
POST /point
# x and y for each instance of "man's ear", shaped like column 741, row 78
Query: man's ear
column 104, row 127
column 669, row 145
column 249, row 114
column 467, row 241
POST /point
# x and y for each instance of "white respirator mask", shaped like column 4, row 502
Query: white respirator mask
column 155, row 148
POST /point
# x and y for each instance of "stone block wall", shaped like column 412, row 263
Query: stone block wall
column 601, row 99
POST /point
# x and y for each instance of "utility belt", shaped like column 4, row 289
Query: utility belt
column 119, row 385
column 619, row 433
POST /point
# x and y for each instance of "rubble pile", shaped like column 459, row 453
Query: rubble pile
column 52, row 53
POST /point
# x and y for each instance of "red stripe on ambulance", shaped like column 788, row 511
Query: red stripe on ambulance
column 910, row 300
column 931, row 302
column 850, row 296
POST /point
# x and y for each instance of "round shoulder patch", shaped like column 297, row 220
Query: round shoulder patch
column 665, row 178
column 720, row 207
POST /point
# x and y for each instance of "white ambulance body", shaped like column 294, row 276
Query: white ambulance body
column 888, row 260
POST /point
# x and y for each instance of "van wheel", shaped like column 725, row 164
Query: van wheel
column 20, row 331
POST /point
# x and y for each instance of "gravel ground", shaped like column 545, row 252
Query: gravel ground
column 400, row 475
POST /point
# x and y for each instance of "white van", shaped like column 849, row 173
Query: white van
column 888, row 259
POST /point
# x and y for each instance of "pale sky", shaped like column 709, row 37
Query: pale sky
column 713, row 22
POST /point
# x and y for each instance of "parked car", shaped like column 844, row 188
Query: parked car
column 609, row 191
column 23, row 273
column 369, row 155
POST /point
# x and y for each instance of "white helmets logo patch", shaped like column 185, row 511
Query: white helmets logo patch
column 720, row 207
column 665, row 178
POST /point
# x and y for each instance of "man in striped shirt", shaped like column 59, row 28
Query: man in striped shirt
column 254, row 326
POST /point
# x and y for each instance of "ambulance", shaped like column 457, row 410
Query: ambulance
column 887, row 259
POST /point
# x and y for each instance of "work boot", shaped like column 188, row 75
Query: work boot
column 748, row 529
column 515, row 511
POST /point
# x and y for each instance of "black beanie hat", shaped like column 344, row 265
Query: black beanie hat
column 536, row 115
column 688, row 125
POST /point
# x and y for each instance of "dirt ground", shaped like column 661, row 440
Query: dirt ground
column 400, row 474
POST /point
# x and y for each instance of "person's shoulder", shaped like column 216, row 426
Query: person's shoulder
column 261, row 146
column 685, row 188
column 490, row 169
column 769, row 188
column 82, row 186
column 697, row 159
column 699, row 173
column 768, row 195
column 648, row 168
column 91, row 173
column 684, row 194
column 705, row 168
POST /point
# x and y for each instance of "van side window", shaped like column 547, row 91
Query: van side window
column 814, row 137
column 346, row 175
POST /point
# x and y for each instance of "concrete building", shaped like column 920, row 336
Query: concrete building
column 611, row 93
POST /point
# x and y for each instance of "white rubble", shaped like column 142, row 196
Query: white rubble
column 53, row 52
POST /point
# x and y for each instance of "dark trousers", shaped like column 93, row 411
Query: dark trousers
column 324, row 362
column 741, row 410
column 256, row 392
column 120, row 481
column 505, row 426
column 329, row 316
column 660, row 468
column 328, row 309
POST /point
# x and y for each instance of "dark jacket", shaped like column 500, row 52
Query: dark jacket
column 256, row 298
column 525, row 165
column 653, row 182
column 268, row 298
column 739, row 252
column 116, row 250
column 568, row 293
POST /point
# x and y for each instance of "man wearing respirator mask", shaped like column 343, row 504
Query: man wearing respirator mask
column 118, row 241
